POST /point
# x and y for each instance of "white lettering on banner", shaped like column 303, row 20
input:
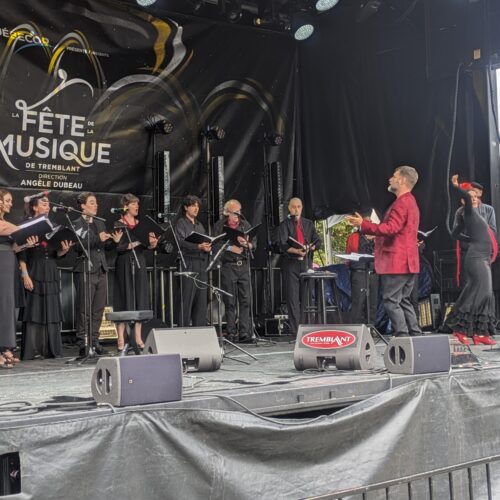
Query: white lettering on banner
column 52, row 136
column 83, row 153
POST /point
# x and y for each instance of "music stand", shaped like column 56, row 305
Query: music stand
column 367, row 258
column 90, row 354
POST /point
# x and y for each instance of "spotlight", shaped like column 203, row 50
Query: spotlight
column 303, row 32
column 324, row 5
column 214, row 133
column 273, row 139
column 161, row 127
column 302, row 27
column 145, row 3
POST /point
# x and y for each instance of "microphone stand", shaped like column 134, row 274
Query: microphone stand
column 218, row 292
column 253, row 331
column 131, row 344
column 182, row 265
column 90, row 353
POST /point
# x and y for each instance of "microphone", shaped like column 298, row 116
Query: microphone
column 291, row 216
column 162, row 215
column 62, row 209
column 239, row 214
column 27, row 199
column 185, row 273
column 123, row 210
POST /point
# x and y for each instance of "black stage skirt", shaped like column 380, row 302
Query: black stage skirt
column 123, row 292
column 474, row 310
column 43, row 304
column 42, row 314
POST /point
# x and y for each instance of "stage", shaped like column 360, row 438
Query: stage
column 256, row 430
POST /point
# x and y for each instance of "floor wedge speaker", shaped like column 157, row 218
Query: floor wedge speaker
column 137, row 380
column 198, row 346
column 347, row 347
column 422, row 354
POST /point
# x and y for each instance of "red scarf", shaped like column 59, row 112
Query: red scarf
column 128, row 224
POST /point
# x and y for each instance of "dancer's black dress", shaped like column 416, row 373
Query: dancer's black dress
column 42, row 315
column 474, row 310
column 126, row 273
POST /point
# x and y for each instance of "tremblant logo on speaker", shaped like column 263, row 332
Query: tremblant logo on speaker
column 328, row 339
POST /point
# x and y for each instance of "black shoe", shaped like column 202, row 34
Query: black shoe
column 232, row 337
column 82, row 352
column 246, row 339
column 100, row 350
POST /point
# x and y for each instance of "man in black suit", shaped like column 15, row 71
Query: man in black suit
column 96, row 240
column 296, row 260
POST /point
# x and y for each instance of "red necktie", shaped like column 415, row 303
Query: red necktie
column 300, row 234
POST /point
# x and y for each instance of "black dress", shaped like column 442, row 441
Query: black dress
column 126, row 273
column 474, row 310
column 8, row 273
column 42, row 315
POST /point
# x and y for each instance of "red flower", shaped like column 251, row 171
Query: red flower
column 44, row 244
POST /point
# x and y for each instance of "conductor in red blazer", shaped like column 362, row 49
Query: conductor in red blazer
column 396, row 251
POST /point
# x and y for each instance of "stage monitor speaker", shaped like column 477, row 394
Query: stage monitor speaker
column 198, row 346
column 413, row 355
column 137, row 380
column 347, row 347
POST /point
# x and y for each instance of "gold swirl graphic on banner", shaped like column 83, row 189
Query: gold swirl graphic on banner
column 79, row 39
column 238, row 90
column 23, row 29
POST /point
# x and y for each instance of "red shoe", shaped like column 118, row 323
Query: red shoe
column 483, row 339
column 462, row 338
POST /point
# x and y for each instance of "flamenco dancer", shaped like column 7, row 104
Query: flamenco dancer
column 473, row 315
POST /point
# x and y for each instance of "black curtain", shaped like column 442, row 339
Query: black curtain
column 372, row 100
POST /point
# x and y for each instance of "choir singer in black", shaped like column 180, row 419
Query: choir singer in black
column 298, row 238
column 194, row 295
column 235, row 277
column 94, row 236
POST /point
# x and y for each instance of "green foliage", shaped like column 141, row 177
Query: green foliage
column 339, row 234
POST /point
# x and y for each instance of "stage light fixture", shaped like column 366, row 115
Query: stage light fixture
column 161, row 127
column 303, row 32
column 302, row 27
column 324, row 5
column 145, row 3
column 273, row 139
column 214, row 133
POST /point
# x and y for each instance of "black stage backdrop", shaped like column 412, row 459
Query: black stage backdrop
column 79, row 79
column 379, row 93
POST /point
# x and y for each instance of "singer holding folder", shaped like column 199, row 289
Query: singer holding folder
column 296, row 260
column 131, row 290
column 234, row 273
column 93, row 233
column 194, row 297
column 42, row 315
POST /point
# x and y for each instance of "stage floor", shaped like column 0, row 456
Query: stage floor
column 268, row 386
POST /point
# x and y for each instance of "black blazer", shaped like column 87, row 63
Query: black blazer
column 97, row 247
column 288, row 228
